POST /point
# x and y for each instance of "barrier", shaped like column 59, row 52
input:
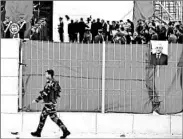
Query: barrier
column 131, row 84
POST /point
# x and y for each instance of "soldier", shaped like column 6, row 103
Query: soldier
column 49, row 95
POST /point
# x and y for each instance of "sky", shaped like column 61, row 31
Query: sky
column 108, row 10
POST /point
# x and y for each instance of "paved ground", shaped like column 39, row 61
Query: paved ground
column 7, row 128
column 7, row 134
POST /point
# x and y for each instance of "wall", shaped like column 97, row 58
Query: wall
column 9, row 74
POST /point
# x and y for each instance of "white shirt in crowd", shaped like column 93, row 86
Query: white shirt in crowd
column 108, row 27
column 66, row 35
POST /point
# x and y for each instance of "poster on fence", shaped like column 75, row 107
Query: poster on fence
column 159, row 53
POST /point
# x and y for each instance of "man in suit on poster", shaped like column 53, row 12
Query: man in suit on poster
column 159, row 58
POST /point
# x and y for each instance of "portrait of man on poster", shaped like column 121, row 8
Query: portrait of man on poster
column 158, row 58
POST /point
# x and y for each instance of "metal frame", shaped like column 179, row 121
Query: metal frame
column 174, row 10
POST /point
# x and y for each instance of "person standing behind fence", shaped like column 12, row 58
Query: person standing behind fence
column 49, row 95
column 81, row 27
column 108, row 35
column 71, row 31
column 98, row 25
column 88, row 23
column 104, row 28
column 179, row 33
column 153, row 33
column 172, row 38
column 99, row 38
column 87, row 36
column 161, row 30
column 94, row 30
column 76, row 31
column 61, row 29
column 131, row 26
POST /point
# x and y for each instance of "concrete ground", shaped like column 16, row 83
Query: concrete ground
column 26, row 134
column 92, row 125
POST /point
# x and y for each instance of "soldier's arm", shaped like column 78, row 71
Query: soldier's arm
column 57, row 88
column 40, row 97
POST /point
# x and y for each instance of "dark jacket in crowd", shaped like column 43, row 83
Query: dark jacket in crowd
column 137, row 40
column 113, row 27
column 161, row 33
column 81, row 27
column 139, row 29
column 94, row 30
column 76, row 27
column 147, row 37
column 61, row 28
column 154, row 36
column 132, row 26
column 71, row 28
column 104, row 27
column 98, row 26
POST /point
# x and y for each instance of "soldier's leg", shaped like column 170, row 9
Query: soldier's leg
column 58, row 121
column 54, row 118
column 42, row 120
column 43, row 117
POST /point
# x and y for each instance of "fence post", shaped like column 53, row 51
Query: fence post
column 103, row 77
column 20, row 77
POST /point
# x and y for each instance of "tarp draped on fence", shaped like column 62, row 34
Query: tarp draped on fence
column 142, row 10
column 131, row 84
column 17, row 9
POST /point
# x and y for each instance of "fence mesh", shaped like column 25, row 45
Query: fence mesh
column 131, row 83
column 77, row 68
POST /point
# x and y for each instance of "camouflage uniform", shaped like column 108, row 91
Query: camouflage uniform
column 49, row 95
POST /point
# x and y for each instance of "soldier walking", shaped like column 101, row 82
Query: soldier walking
column 49, row 95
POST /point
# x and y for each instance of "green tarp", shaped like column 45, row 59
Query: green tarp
column 131, row 84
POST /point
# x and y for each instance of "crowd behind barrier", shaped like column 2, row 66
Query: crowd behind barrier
column 97, row 30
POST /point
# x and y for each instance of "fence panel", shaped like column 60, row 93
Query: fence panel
column 126, row 74
column 77, row 68
column 131, row 83
column 169, row 85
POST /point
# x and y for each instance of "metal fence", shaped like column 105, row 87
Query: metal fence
column 103, row 77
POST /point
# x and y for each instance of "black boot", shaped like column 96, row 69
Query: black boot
column 65, row 134
column 36, row 134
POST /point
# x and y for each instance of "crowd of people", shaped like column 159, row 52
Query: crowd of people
column 97, row 30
